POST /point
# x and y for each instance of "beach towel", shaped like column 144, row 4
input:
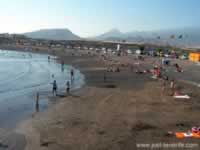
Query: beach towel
column 137, row 63
column 181, row 135
column 182, row 97
column 154, row 77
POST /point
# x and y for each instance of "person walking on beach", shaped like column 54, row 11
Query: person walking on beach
column 37, row 106
column 62, row 66
column 68, row 87
column 72, row 74
column 48, row 58
column 54, row 88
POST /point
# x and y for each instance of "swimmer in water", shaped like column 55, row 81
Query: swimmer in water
column 48, row 58
column 62, row 66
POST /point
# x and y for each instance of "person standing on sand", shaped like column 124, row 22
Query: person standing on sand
column 68, row 87
column 54, row 88
column 172, row 86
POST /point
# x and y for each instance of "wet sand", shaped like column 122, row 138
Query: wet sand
column 126, row 110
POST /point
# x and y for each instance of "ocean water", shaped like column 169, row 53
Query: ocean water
column 22, row 75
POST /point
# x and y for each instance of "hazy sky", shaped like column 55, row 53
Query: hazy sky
column 91, row 17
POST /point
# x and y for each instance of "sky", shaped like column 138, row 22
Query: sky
column 92, row 17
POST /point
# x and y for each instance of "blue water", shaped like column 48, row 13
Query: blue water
column 22, row 75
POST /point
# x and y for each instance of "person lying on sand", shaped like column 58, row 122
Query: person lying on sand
column 113, row 69
column 193, row 133
column 178, row 95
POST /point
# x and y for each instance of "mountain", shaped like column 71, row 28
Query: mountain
column 114, row 33
column 53, row 34
column 185, row 37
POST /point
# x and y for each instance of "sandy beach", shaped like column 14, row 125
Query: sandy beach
column 122, row 113
column 100, row 75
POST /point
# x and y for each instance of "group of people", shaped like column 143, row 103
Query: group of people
column 54, row 89
column 173, row 89
column 68, row 85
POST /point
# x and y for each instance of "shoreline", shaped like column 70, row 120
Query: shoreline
column 12, row 138
column 25, row 127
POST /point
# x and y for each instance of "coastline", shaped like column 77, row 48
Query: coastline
column 101, row 117
column 8, row 136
